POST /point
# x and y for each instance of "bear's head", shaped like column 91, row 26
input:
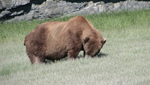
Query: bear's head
column 92, row 45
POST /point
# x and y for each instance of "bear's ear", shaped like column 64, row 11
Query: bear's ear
column 86, row 39
column 104, row 41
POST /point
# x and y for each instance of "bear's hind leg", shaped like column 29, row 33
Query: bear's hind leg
column 36, row 59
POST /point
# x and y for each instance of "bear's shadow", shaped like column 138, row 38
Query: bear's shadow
column 99, row 55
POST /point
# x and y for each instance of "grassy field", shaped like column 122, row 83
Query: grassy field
column 125, row 60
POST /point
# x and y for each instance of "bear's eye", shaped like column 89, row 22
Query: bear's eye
column 97, row 52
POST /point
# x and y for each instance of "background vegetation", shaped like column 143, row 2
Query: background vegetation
column 125, row 59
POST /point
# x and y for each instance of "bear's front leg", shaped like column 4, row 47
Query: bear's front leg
column 86, row 56
column 72, row 54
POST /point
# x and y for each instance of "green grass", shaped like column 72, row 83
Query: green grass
column 126, row 60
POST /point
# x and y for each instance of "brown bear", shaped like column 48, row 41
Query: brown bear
column 55, row 40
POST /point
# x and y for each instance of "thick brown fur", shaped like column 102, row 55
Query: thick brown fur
column 55, row 40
